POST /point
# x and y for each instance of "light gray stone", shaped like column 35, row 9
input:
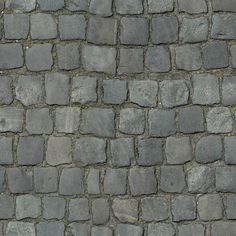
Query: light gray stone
column 51, row 5
column 128, row 229
column 178, row 150
column 191, row 229
column 78, row 209
column 101, row 7
column 20, row 228
column 30, row 90
column 162, row 229
column 90, row 151
column 79, row 229
column 7, row 207
column 93, row 181
column 6, row 94
column 101, row 231
column 21, row 5
column 77, row 5
column 160, row 6
column 192, row 6
column 6, row 147
column 219, row 120
column 223, row 228
column 99, row 59
column 53, row 208
column 100, row 211
column 229, row 90
column 11, row 119
column 225, row 179
column 129, row 6
column 229, row 150
column 230, row 206
column 27, row 206
column 46, row 228
column 227, row 5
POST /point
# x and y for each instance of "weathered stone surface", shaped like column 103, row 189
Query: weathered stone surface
column 223, row 26
column 219, row 120
column 79, row 229
column 30, row 90
column 128, row 229
column 132, row 121
column 11, row 119
column 161, row 229
column 100, row 211
column 227, row 5
column 39, row 57
column 164, row 29
column 172, row 179
column 143, row 92
column 230, row 206
column 191, row 229
column 46, row 228
column 158, row 6
column 78, row 209
column 126, row 210
column 150, row 152
column 16, row 26
column 6, row 207
column 201, row 179
column 205, row 89
column 192, row 6
column 154, row 208
column 77, row 5
column 225, row 177
column 101, row 7
column 223, row 228
column 129, row 6
column 11, row 56
column 21, row 5
column 99, row 122
column 20, row 228
column 53, row 208
column 6, row 147
column 229, row 148
column 89, row 151
column 142, row 181
column 101, row 231
column 6, row 94
column 178, row 150
column 208, row 149
column 27, row 206
column 228, row 90
column 100, row 59
column 93, row 181
column 84, row 89
column 174, row 93
column 50, row 5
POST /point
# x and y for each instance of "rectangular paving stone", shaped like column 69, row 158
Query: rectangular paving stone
column 78, row 229
column 128, row 229
column 101, row 231
column 24, row 228
column 225, row 177
column 46, row 228
column 51, row 5
column 78, row 209
column 101, row 7
column 228, row 90
column 129, row 6
column 7, row 207
column 161, row 228
column 6, row 147
column 230, row 209
column 191, row 229
column 93, row 181
column 159, row 6
column 227, row 5
column 100, row 211
column 77, row 5
column 21, row 5
column 53, row 208
column 11, row 56
column 223, row 228
column 11, row 119
column 192, row 6
column 6, row 93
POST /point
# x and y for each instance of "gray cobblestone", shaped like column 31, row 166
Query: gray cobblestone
column 230, row 209
column 101, row 231
column 6, row 207
column 77, row 5
column 79, row 229
column 45, row 228
column 191, row 229
column 158, row 6
column 228, row 89
column 161, row 229
column 192, row 6
column 128, row 229
column 6, row 144
column 20, row 228
column 129, row 6
column 221, row 227
column 22, row 5
column 93, row 183
column 225, row 179
column 78, row 209
column 6, row 94
column 100, row 211
column 50, row 5
column 101, row 7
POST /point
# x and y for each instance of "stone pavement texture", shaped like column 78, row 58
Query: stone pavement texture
column 118, row 118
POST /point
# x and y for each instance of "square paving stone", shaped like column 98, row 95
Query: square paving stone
column 100, row 211
column 45, row 179
column 51, row 5
column 191, row 119
column 6, row 94
column 79, row 229
column 219, row 120
column 209, row 149
column 20, row 228
column 57, row 89
column 16, row 26
column 99, row 58
column 122, row 151
column 192, row 6
column 162, row 122
column 7, row 207
column 101, row 7
column 194, row 29
column 84, row 89
column 114, row 91
column 131, row 61
column 68, row 56
column 58, row 151
column 38, row 21
column 19, row 180
column 39, row 57
column 225, row 179
column 27, row 206
column 157, row 59
column 67, row 119
column 150, row 152
column 90, row 151
column 210, row 207
column 102, row 30
column 132, row 121
column 229, row 90
column 126, row 210
column 30, row 90
column 6, row 147
column 71, row 181
column 115, row 181
column 205, row 89
column 39, row 121
column 11, row 119
column 215, row 55
column 98, row 121
column 164, row 29
column 142, row 181
column 174, row 93
column 178, row 150
column 154, row 208
column 71, row 27
column 53, row 208
column 172, row 179
column 134, row 31
column 129, row 6
column 188, row 57
column 21, row 5
column 183, row 208
column 143, row 92
column 30, row 150
column 78, row 209
column 11, row 56
column 46, row 228
column 161, row 228
column 158, row 6
column 201, row 179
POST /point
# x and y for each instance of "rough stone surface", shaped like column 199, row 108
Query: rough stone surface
column 228, row 90
column 159, row 6
column 20, row 228
column 129, row 6
column 161, row 229
column 53, row 208
column 100, row 211
column 6, row 95
column 192, row 6
column 78, row 209
column 225, row 179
